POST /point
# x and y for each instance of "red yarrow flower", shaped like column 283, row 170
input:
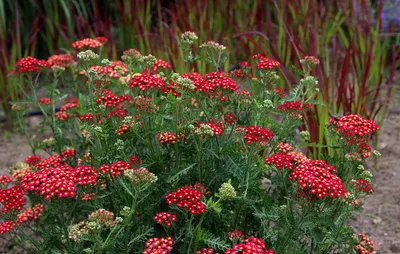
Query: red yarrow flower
column 355, row 125
column 295, row 106
column 31, row 213
column 64, row 60
column 87, row 43
column 44, row 101
column 165, row 219
column 257, row 134
column 251, row 245
column 145, row 82
column 4, row 179
column 362, row 185
column 115, row 169
column 364, row 245
column 265, row 63
column 319, row 179
column 236, row 235
column 205, row 251
column 186, row 197
column 30, row 64
column 12, row 199
column 51, row 182
column 158, row 245
column 6, row 226
column 280, row 160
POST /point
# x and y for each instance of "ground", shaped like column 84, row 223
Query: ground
column 380, row 218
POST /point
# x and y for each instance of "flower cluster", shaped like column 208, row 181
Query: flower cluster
column 354, row 125
column 6, row 226
column 205, row 251
column 257, row 134
column 30, row 64
column 103, row 218
column 165, row 219
column 140, row 175
column 44, row 101
column 186, row 197
column 236, row 235
column 159, row 245
column 145, row 82
column 5, row 179
column 364, row 245
column 115, row 169
column 12, row 198
column 362, row 185
column 64, row 60
column 251, row 245
column 87, row 43
column 293, row 106
column 51, row 182
column 265, row 63
column 280, row 160
column 319, row 178
column 31, row 213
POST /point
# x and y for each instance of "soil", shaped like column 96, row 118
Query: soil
column 379, row 219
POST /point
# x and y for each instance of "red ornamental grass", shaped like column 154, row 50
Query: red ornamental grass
column 280, row 160
column 31, row 213
column 145, row 82
column 256, row 134
column 44, row 101
column 319, row 178
column 158, row 245
column 251, row 245
column 265, row 63
column 205, row 251
column 186, row 197
column 6, row 226
column 355, row 125
column 51, row 182
column 165, row 219
column 64, row 60
column 87, row 44
column 362, row 185
column 115, row 169
column 4, row 179
column 30, row 64
column 12, row 198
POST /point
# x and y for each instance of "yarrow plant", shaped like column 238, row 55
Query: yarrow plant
column 147, row 160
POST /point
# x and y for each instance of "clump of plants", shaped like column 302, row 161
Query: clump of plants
column 147, row 160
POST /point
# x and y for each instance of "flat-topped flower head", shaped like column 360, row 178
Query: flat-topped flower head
column 257, row 134
column 157, row 245
column 88, row 43
column 280, row 160
column 165, row 219
column 318, row 179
